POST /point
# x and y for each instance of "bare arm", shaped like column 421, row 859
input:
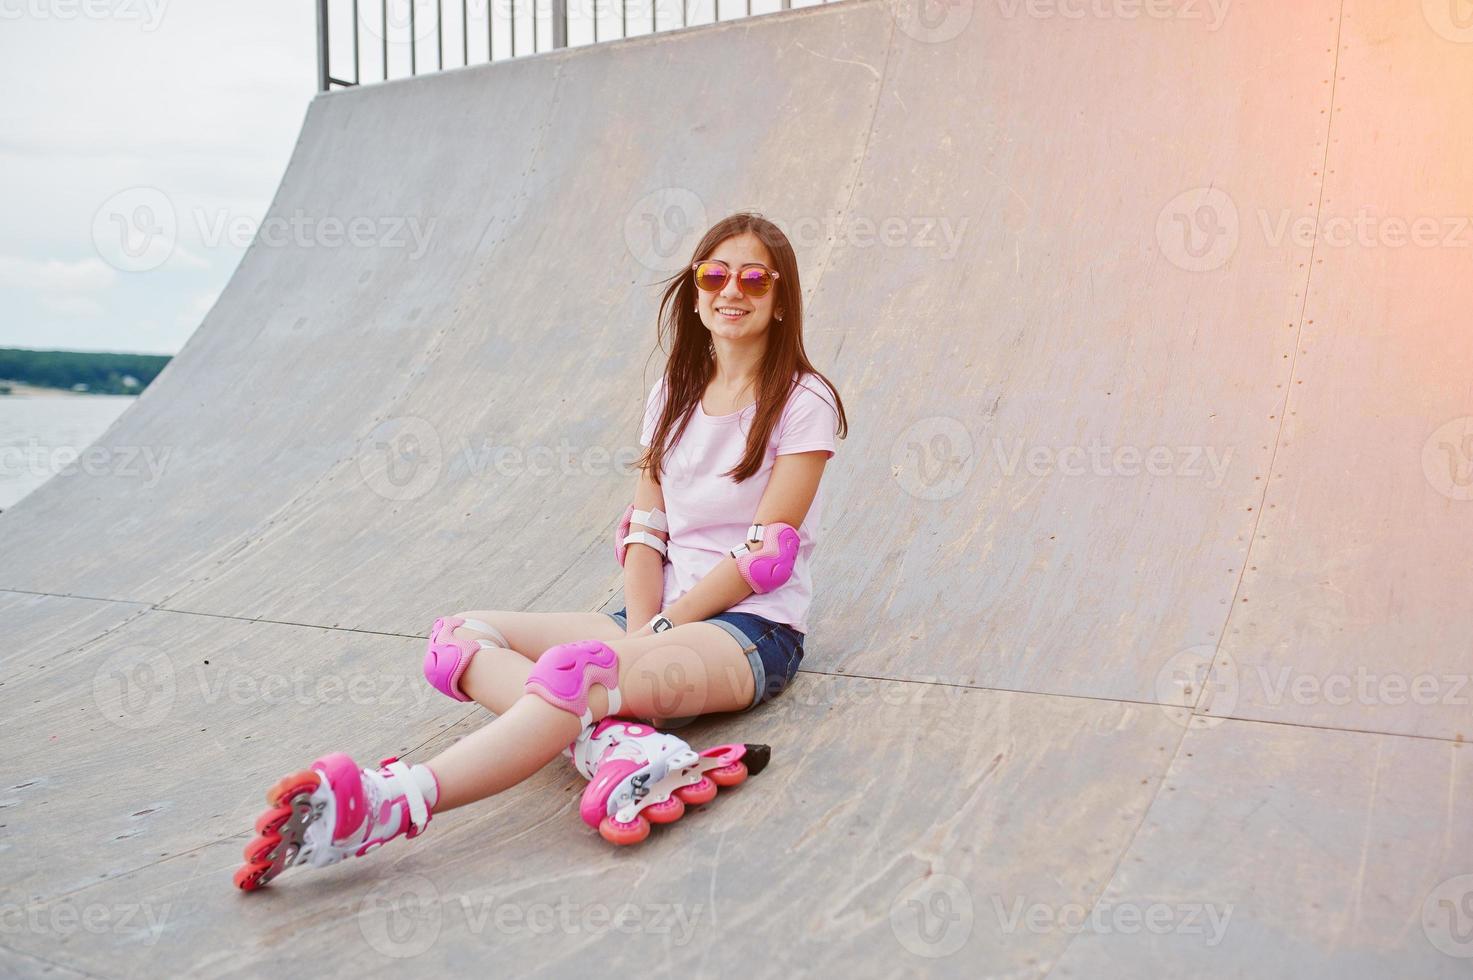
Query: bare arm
column 790, row 492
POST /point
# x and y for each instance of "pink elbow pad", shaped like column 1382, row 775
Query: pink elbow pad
column 772, row 563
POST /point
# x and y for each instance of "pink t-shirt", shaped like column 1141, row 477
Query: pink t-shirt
column 709, row 513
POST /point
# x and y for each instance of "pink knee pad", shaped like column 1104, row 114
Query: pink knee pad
column 447, row 657
column 772, row 563
column 563, row 674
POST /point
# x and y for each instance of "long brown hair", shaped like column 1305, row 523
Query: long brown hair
column 691, row 366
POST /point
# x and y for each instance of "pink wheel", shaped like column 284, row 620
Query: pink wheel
column 248, row 877
column 270, row 822
column 698, row 793
column 666, row 811
column 258, row 849
column 730, row 774
column 619, row 833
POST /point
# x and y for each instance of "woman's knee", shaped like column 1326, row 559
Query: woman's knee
column 483, row 624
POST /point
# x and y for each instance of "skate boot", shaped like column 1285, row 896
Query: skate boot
column 335, row 810
column 639, row 776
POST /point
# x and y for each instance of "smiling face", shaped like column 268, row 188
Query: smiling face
column 729, row 313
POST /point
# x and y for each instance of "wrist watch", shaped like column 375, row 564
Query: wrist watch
column 661, row 623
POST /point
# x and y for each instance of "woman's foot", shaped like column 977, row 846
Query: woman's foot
column 334, row 810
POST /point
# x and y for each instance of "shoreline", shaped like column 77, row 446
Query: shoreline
column 21, row 389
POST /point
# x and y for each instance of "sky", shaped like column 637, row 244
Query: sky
column 196, row 104
column 142, row 140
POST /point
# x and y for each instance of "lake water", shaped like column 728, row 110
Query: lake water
column 40, row 435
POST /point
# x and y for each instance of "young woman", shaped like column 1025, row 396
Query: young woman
column 716, row 550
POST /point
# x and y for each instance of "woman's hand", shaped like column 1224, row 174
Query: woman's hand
column 647, row 629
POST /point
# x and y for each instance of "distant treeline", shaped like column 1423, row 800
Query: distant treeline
column 99, row 373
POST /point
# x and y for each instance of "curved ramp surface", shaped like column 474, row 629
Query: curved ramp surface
column 1141, row 643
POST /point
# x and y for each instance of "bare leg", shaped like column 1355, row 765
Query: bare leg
column 693, row 669
column 496, row 677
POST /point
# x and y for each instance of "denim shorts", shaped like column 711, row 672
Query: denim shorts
column 774, row 650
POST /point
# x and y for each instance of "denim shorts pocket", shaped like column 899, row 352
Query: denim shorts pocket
column 795, row 655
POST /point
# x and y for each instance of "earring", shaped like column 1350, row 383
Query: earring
column 779, row 318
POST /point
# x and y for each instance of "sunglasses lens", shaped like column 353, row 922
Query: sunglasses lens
column 710, row 276
column 755, row 282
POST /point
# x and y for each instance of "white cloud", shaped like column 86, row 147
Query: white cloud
column 52, row 275
column 78, row 307
column 184, row 256
column 203, row 102
column 196, row 309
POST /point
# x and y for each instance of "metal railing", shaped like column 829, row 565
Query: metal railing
column 389, row 26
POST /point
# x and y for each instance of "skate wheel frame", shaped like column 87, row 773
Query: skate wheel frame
column 717, row 767
column 279, row 829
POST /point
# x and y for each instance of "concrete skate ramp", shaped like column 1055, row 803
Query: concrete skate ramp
column 1141, row 640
